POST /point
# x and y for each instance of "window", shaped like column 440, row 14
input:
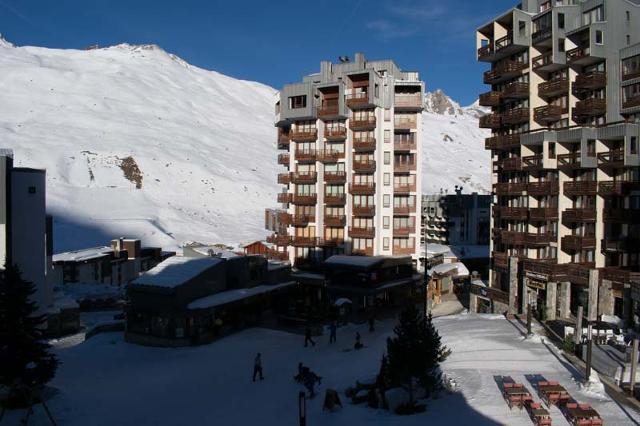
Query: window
column 591, row 147
column 522, row 26
column 387, row 136
column 296, row 102
column 32, row 190
column 628, row 15
column 593, row 15
column 628, row 39
column 560, row 45
column 385, row 243
column 633, row 145
column 387, row 157
column 385, row 222
column 552, row 150
column 561, row 20
column 387, row 179
column 599, row 37
column 386, row 200
column 387, row 115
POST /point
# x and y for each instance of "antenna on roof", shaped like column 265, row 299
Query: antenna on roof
column 343, row 59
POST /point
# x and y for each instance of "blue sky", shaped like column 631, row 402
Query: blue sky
column 274, row 42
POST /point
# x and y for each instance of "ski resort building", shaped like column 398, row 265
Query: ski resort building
column 349, row 137
column 564, row 83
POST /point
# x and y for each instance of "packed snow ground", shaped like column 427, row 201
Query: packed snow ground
column 105, row 381
column 204, row 144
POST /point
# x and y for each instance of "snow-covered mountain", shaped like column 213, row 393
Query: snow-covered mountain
column 138, row 142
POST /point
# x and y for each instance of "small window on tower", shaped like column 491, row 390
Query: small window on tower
column 32, row 190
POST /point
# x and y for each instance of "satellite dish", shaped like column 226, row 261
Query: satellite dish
column 344, row 59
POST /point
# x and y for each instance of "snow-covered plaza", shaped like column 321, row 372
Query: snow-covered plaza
column 105, row 381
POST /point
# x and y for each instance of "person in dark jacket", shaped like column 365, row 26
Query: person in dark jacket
column 307, row 338
column 358, row 345
column 333, row 328
column 257, row 367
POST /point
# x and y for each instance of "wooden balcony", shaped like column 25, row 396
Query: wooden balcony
column 404, row 144
column 544, row 62
column 612, row 158
column 407, row 102
column 302, row 178
column 334, row 133
column 490, row 121
column 569, row 161
column 329, row 108
column 298, row 241
column 552, row 88
column 545, row 270
column 513, row 213
column 490, row 99
column 404, row 188
column 617, row 188
column 540, row 239
column 404, row 210
column 405, row 123
column 502, row 142
column 507, row 165
column 364, row 211
column 366, row 188
column 304, row 200
column 306, row 155
column 543, row 188
column 404, row 167
column 630, row 74
column 543, row 214
column 284, row 197
column 284, row 218
column 621, row 244
column 279, row 240
column 504, row 71
column 364, row 166
column 335, row 177
column 505, row 188
column 357, row 232
column 589, row 108
column 500, row 260
column 283, row 159
column 330, row 242
column 304, row 135
column 541, row 35
column 337, row 221
column 590, row 81
column 284, row 140
column 578, row 273
column 577, row 243
column 578, row 55
column 618, row 275
column 362, row 251
column 515, row 116
column 517, row 90
column 631, row 102
column 620, row 215
column 335, row 199
column 515, row 238
column 284, row 178
column 548, row 114
column 403, row 251
column 485, row 52
column 302, row 220
column 585, row 187
column 277, row 255
column 358, row 100
column 577, row 215
column 366, row 123
column 329, row 155
column 532, row 162
column 364, row 144
column 404, row 231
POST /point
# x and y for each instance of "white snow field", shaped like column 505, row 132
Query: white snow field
column 200, row 145
column 105, row 381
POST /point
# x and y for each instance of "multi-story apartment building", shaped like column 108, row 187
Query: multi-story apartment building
column 565, row 99
column 350, row 137
column 456, row 219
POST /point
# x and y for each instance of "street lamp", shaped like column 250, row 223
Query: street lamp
column 588, row 366
column 302, row 408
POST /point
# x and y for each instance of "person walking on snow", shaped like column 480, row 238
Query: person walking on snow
column 358, row 345
column 332, row 332
column 307, row 338
column 257, row 367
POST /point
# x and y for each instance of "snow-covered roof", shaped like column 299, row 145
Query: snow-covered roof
column 433, row 250
column 176, row 271
column 479, row 283
column 445, row 268
column 83, row 255
column 229, row 296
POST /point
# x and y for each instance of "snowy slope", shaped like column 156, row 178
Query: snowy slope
column 137, row 142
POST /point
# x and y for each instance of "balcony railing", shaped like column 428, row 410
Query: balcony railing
column 335, row 132
column 404, row 144
column 506, row 188
column 543, row 214
column 612, row 158
column 577, row 242
column 551, row 187
column 403, row 251
column 619, row 215
column 284, row 139
column 502, row 142
column 517, row 90
column 504, row 42
column 336, row 221
column 404, row 209
column 578, row 273
column 365, row 232
column 532, row 162
column 365, row 211
column 630, row 74
column 404, row 231
column 404, row 167
column 578, row 215
column 485, row 51
column 543, row 60
column 298, row 241
column 619, row 188
column 411, row 101
column 621, row 244
column 365, row 188
column 302, row 220
column 328, row 107
column 364, row 166
column 584, row 187
column 356, row 100
column 279, row 240
column 516, row 116
column 507, row 164
column 335, row 177
column 541, row 35
column 500, row 260
column 631, row 102
column 578, row 53
column 490, row 99
column 569, row 161
column 490, row 121
column 283, row 159
column 304, row 134
column 284, row 178
column 284, row 218
column 329, row 155
column 300, row 178
column 362, row 251
column 547, row 270
column 513, row 237
column 589, row 108
column 540, row 239
column 618, row 275
column 306, row 155
column 590, row 81
column 513, row 213
column 362, row 144
column 555, row 87
column 362, row 123
column 284, row 197
column 548, row 114
column 330, row 241
column 304, row 199
column 404, row 187
column 335, row 199
column 504, row 70
column 403, row 123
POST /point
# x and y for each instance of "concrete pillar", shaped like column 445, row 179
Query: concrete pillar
column 552, row 292
column 513, row 285
column 525, row 297
column 577, row 336
column 605, row 298
column 473, row 303
column 564, row 302
column 592, row 315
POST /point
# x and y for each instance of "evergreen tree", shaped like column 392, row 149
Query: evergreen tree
column 415, row 353
column 25, row 359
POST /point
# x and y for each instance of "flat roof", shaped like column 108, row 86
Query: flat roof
column 83, row 254
column 229, row 296
column 362, row 261
column 175, row 271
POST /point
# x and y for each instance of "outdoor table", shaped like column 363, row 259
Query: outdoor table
column 549, row 390
column 579, row 413
column 539, row 414
column 516, row 391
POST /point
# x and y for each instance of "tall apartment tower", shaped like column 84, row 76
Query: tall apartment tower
column 350, row 136
column 565, row 100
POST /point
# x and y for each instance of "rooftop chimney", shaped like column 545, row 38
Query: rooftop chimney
column 359, row 58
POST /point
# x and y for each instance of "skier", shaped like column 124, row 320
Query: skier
column 358, row 345
column 332, row 332
column 257, row 367
column 307, row 338
column 310, row 380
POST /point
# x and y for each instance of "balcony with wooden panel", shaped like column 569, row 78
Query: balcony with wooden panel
column 362, row 251
column 578, row 273
column 329, row 155
column 553, row 88
column 328, row 108
column 533, row 162
column 364, row 166
column 502, row 142
column 515, row 238
column 542, row 36
column 279, row 240
column 515, row 116
column 284, row 218
column 304, row 200
column 579, row 54
column 490, row 121
column 590, row 81
column 631, row 102
column 504, row 71
column 404, row 188
column 401, row 143
column 618, row 275
column 330, row 242
column 304, row 178
column 404, row 123
column 335, row 176
column 335, row 133
column 485, row 53
column 403, row 251
column 545, row 63
column 359, row 99
column 301, row 220
column 620, row 215
column 284, row 139
column 299, row 241
column 404, row 231
column 533, row 239
column 548, row 114
column 543, row 214
column 362, row 123
column 364, row 211
column 507, row 164
column 513, row 213
column 362, row 188
column 617, row 188
column 284, row 159
column 543, row 269
column 335, row 221
column 579, row 215
column 364, row 143
column 284, row 197
column 305, row 155
column 621, row 244
column 591, row 107
column 612, row 159
column 577, row 242
column 404, row 210
column 516, row 90
column 407, row 102
column 490, row 99
column 335, row 199
column 304, row 134
column 500, row 260
column 551, row 187
column 284, row 178
column 510, row 188
column 404, row 166
column 362, row 232
column 577, row 188
column 569, row 161
column 506, row 45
